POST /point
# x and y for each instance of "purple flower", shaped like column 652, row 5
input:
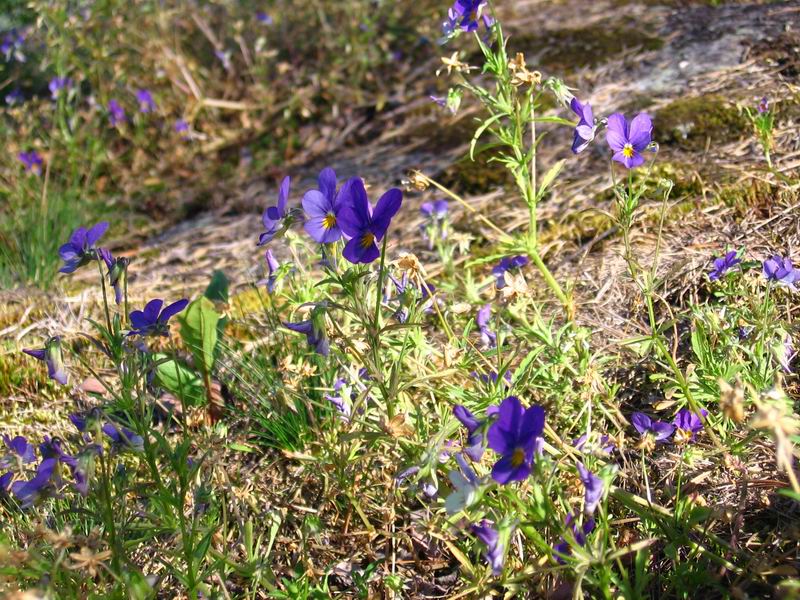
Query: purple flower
column 117, row 272
column 31, row 161
column 506, row 264
column 474, row 448
column 153, row 320
column 28, row 492
column 315, row 335
column 440, row 100
column 272, row 267
column 514, row 437
column 490, row 537
column 763, row 105
column 364, row 225
column 145, row 100
column 488, row 337
column 123, row 438
column 434, row 210
column 83, row 470
column 57, row 84
column 723, row 264
column 12, row 45
column 224, row 57
column 322, row 209
column 273, row 216
column 116, row 114
column 81, row 247
column 492, row 378
column 465, row 14
column 466, row 486
column 435, row 223
column 593, row 489
column 604, row 445
column 688, row 425
column 787, row 354
column 181, row 126
column 564, row 548
column 263, row 18
column 22, row 452
column 629, row 140
column 585, row 129
column 646, row 426
column 15, row 97
column 51, row 355
column 338, row 402
column 782, row 271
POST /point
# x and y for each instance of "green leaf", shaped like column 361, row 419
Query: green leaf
column 549, row 177
column 199, row 330
column 217, row 290
column 180, row 381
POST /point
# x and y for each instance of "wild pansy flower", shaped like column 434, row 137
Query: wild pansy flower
column 116, row 114
column 465, row 14
column 224, row 57
column 365, row 226
column 488, row 337
column 593, row 489
column 145, row 100
column 11, row 47
column 435, row 221
column 564, row 548
column 475, row 444
column 514, row 436
column 492, row 377
column 83, row 471
column 277, row 218
column 272, row 268
column 629, row 140
column 51, row 355
column 263, row 18
column 31, row 161
column 495, row 553
column 153, row 320
column 81, row 248
column 651, row 431
column 687, row 425
column 506, row 264
column 786, row 354
column 181, row 126
column 15, row 97
column 466, row 484
column 763, row 105
column 585, row 129
column 28, row 492
column 5, row 484
column 452, row 102
column 117, row 272
column 322, row 209
column 338, row 401
column 21, row 452
column 587, row 445
column 781, row 270
column 314, row 330
column 57, row 85
column 724, row 264
column 123, row 438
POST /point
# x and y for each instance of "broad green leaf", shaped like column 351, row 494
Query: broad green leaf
column 180, row 381
column 199, row 330
column 549, row 177
column 217, row 290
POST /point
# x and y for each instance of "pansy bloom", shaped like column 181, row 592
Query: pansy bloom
column 116, row 114
column 315, row 334
column 117, row 272
column 781, row 271
column 31, row 161
column 488, row 337
column 51, row 355
column 474, row 448
column 465, row 15
column 274, row 216
column 263, row 18
column 322, row 209
column 490, row 537
column 593, row 489
column 763, row 105
column 724, row 264
column 21, row 452
column 152, row 320
column 563, row 548
column 81, row 247
column 629, row 140
column 145, row 100
column 272, row 268
column 506, row 264
column 434, row 225
column 585, row 129
column 123, row 438
column 57, row 84
column 688, row 425
column 366, row 226
column 28, row 492
column 514, row 437
column 651, row 431
column 466, row 484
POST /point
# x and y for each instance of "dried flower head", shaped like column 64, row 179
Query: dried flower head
column 89, row 561
column 731, row 400
column 520, row 75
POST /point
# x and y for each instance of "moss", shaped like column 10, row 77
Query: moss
column 569, row 49
column 690, row 123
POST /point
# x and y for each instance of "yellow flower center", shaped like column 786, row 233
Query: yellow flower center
column 367, row 240
column 518, row 457
column 627, row 151
column 329, row 222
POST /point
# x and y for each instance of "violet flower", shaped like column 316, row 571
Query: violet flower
column 658, row 430
column 475, row 445
column 31, row 161
column 605, row 445
column 274, row 216
column 786, row 354
column 117, row 272
column 488, row 337
column 322, row 209
column 782, row 271
column 314, row 331
column 688, row 425
column 123, row 438
column 466, row 484
column 272, row 267
column 116, row 114
column 365, row 226
column 564, row 548
column 508, row 263
column 593, row 487
column 585, row 129
column 21, row 453
column 153, row 320
column 465, row 15
column 146, row 102
column 28, row 492
column 435, row 224
column 181, row 126
column 81, row 248
column 57, row 85
column 629, row 140
column 514, row 437
column 490, row 537
column 52, row 356
column 263, row 18
column 763, row 105
column 338, row 401
column 724, row 264
column 15, row 97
